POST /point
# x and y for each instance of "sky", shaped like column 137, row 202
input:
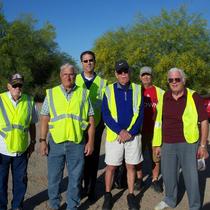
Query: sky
column 79, row 23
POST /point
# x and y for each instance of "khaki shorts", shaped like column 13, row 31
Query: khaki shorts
column 115, row 152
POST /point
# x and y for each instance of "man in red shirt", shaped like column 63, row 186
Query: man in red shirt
column 150, row 93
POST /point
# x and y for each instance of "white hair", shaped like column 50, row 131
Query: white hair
column 68, row 66
column 183, row 75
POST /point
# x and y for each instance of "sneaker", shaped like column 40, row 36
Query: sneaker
column 162, row 205
column 157, row 186
column 132, row 202
column 139, row 184
column 107, row 205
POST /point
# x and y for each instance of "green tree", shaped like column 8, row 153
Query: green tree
column 172, row 39
column 32, row 52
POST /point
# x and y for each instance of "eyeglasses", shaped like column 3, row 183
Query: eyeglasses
column 86, row 61
column 171, row 80
column 17, row 85
column 125, row 71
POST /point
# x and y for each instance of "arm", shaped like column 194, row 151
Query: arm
column 32, row 132
column 202, row 150
column 89, row 147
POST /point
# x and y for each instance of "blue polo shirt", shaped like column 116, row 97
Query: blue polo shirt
column 124, row 103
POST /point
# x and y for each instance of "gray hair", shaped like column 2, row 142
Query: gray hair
column 68, row 66
column 183, row 75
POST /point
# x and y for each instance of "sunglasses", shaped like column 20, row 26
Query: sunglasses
column 17, row 85
column 122, row 71
column 171, row 80
column 86, row 61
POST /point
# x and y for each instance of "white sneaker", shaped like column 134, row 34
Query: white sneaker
column 162, row 205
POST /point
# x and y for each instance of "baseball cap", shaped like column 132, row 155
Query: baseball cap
column 121, row 65
column 145, row 70
column 16, row 79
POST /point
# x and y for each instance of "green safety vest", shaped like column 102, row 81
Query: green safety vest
column 68, row 119
column 15, row 122
column 109, row 92
column 189, row 119
column 97, row 89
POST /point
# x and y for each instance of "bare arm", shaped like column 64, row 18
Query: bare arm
column 43, row 134
column 89, row 147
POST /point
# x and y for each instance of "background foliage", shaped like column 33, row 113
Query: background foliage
column 173, row 39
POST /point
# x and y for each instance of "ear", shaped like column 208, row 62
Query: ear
column 9, row 86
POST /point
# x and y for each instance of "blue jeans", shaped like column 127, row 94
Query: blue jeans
column 73, row 155
column 176, row 156
column 19, row 177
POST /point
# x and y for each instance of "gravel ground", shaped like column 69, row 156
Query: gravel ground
column 36, row 197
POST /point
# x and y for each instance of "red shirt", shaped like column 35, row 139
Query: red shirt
column 172, row 116
column 150, row 102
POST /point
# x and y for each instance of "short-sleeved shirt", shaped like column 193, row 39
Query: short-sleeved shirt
column 172, row 116
column 68, row 94
column 34, row 119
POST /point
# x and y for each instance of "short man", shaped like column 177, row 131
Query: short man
column 17, row 117
column 66, row 111
column 151, row 95
column 122, row 111
column 96, row 85
column 176, row 129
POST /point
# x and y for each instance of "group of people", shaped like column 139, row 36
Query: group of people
column 172, row 126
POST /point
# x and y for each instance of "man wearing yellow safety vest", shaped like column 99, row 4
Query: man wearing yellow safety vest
column 96, row 85
column 66, row 113
column 17, row 118
column 151, row 95
column 122, row 111
column 177, row 132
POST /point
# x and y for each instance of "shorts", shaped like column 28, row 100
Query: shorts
column 115, row 152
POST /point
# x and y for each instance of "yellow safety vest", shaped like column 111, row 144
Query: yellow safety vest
column 109, row 92
column 15, row 122
column 68, row 119
column 189, row 119
column 97, row 89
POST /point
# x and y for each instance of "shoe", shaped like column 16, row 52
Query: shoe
column 91, row 197
column 132, row 202
column 107, row 205
column 157, row 186
column 139, row 185
column 162, row 205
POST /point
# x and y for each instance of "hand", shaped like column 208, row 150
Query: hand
column 89, row 147
column 202, row 152
column 43, row 148
column 124, row 135
column 157, row 151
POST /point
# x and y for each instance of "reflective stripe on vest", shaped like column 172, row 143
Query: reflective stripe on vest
column 96, row 94
column 14, row 133
column 189, row 119
column 136, row 95
column 68, row 119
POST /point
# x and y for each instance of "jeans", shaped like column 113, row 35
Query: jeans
column 19, row 177
column 73, row 155
column 176, row 156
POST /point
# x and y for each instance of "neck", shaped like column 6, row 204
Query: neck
column 89, row 74
column 147, row 85
column 177, row 94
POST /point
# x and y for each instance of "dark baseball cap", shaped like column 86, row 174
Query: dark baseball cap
column 16, row 79
column 121, row 65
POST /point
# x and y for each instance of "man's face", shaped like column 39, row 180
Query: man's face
column 123, row 77
column 146, row 79
column 176, row 82
column 88, row 63
column 68, row 76
column 15, row 90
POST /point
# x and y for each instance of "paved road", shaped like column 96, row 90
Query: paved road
column 36, row 196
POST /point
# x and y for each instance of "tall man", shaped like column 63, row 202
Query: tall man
column 176, row 130
column 95, row 84
column 122, row 111
column 151, row 94
column 17, row 117
column 66, row 111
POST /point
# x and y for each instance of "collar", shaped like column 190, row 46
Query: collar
column 123, row 87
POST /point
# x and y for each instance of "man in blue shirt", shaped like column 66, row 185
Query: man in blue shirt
column 122, row 111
